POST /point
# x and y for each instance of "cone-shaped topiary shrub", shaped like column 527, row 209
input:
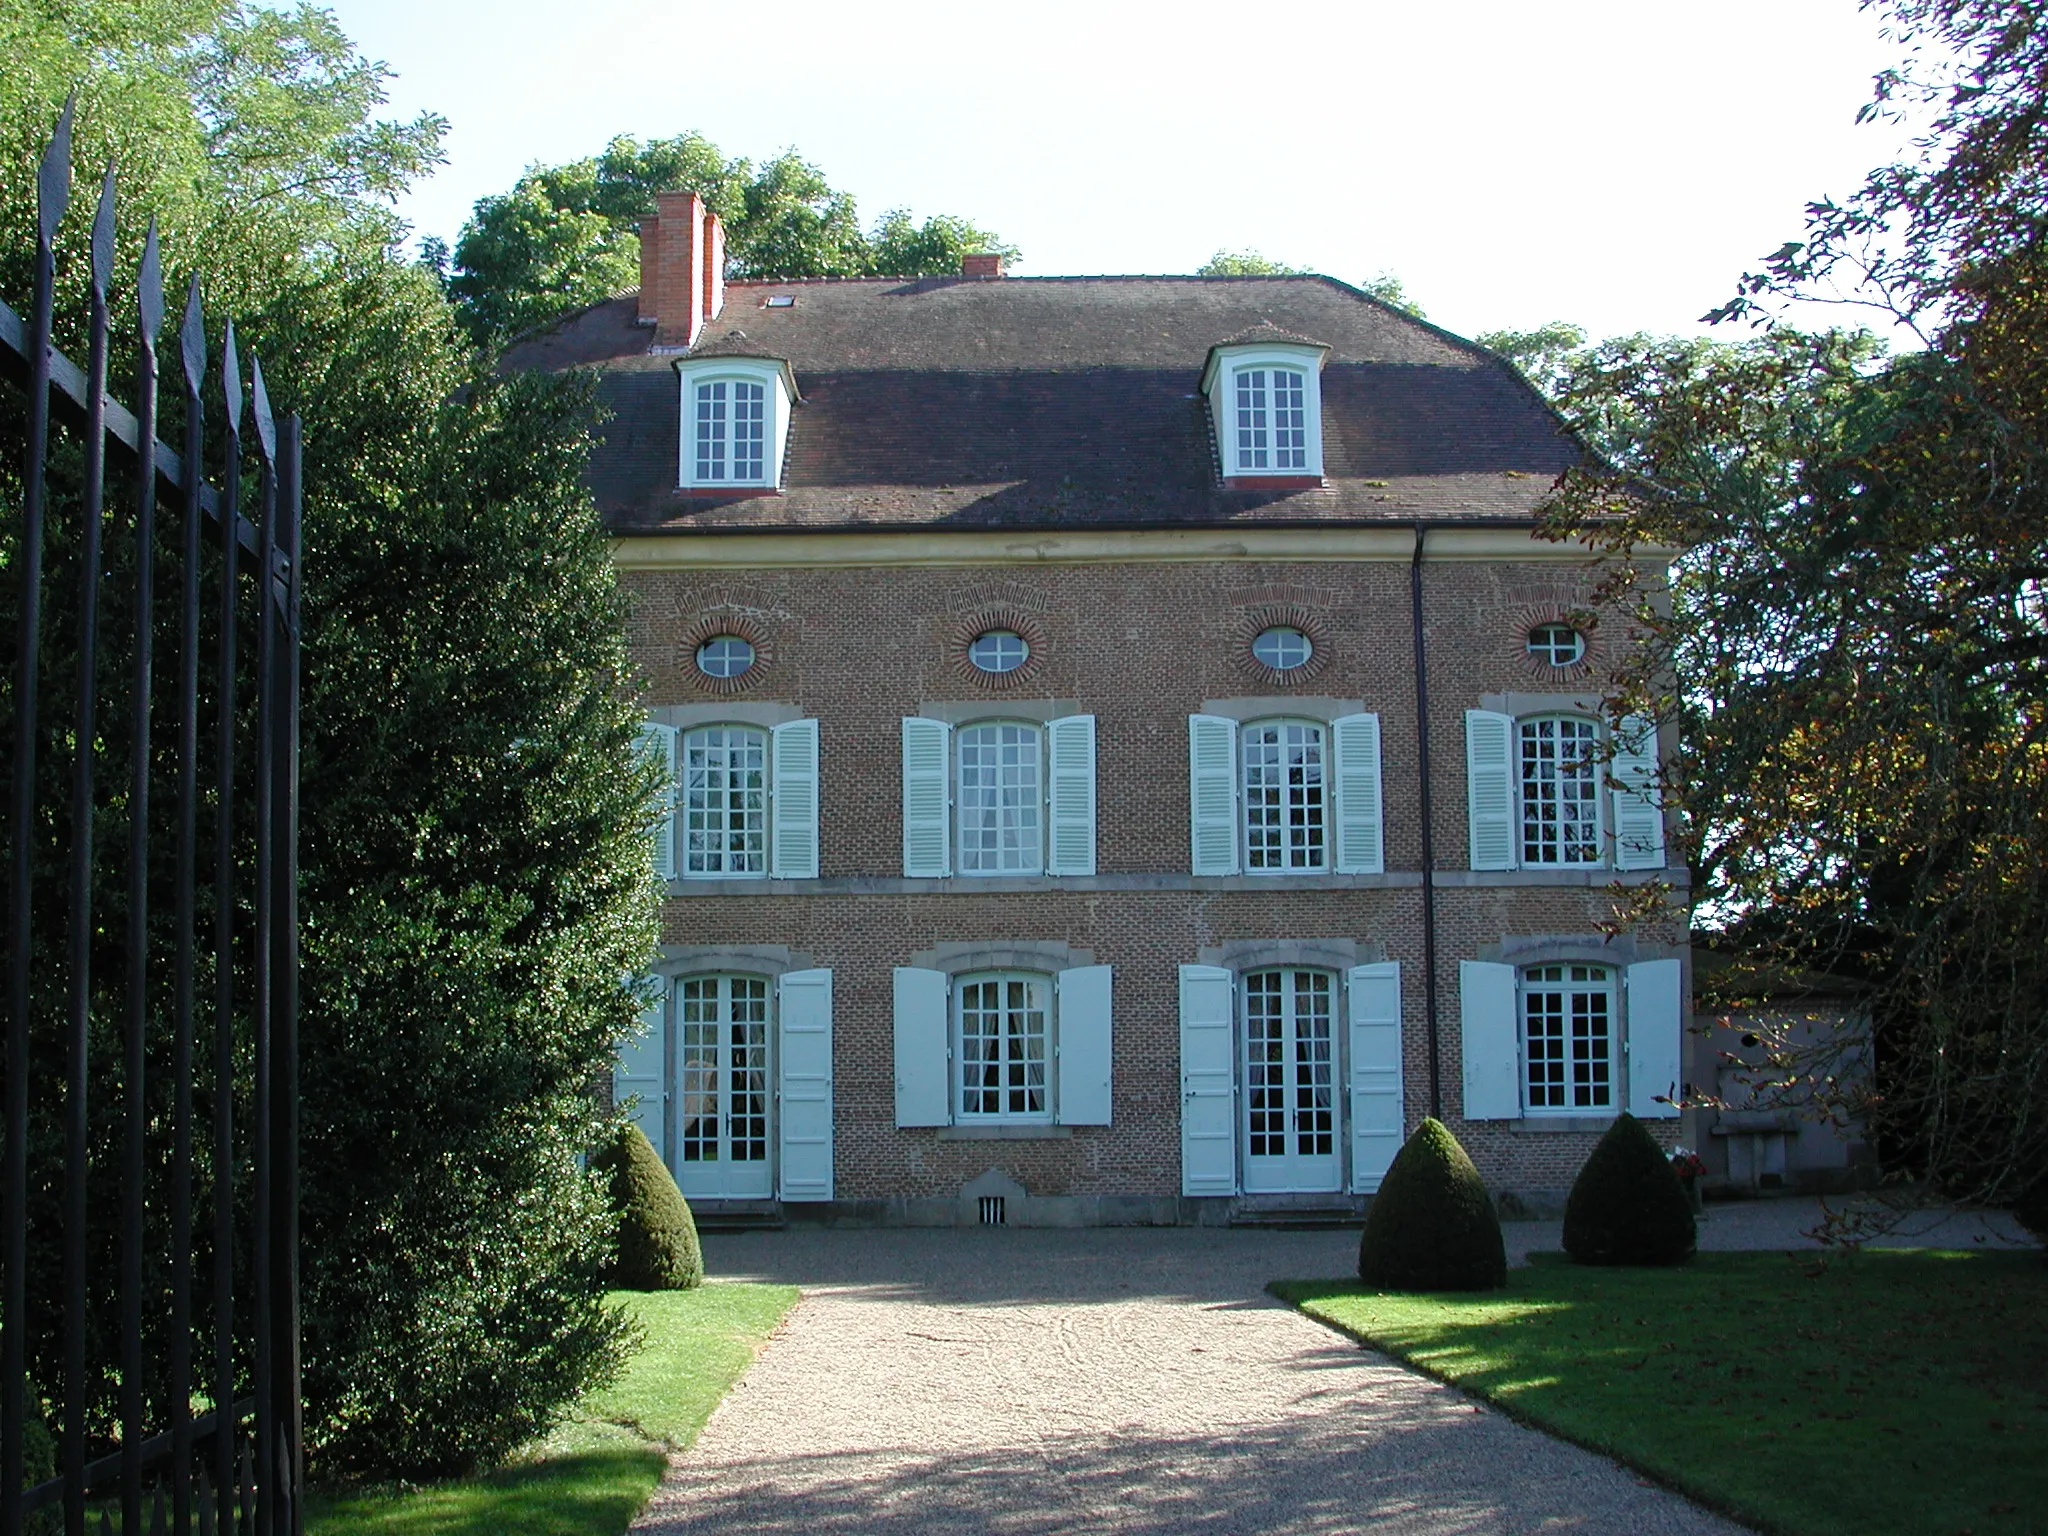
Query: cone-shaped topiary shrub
column 1627, row 1206
column 1432, row 1226
column 657, row 1237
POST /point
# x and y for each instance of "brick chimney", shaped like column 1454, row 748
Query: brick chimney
column 682, row 268
column 981, row 264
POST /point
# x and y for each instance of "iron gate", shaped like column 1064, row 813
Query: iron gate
column 149, row 1178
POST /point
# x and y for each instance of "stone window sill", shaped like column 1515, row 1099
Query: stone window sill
column 1553, row 1125
column 1005, row 1132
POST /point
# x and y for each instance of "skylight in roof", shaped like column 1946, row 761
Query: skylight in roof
column 779, row 301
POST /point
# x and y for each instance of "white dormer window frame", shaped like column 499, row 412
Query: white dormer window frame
column 734, row 423
column 1265, row 402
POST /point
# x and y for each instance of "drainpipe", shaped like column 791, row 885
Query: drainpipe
column 1436, row 1077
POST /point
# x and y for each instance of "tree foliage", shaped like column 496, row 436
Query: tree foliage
column 568, row 235
column 1856, row 643
column 475, row 874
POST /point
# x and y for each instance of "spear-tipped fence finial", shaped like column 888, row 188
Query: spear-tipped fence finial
column 103, row 237
column 149, row 288
column 266, row 426
column 192, row 338
column 231, row 381
column 53, row 179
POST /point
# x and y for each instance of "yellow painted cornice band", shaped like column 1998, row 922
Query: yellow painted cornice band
column 953, row 546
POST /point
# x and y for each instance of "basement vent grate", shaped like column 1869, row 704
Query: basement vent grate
column 992, row 1210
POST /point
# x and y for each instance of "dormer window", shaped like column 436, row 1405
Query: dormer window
column 1265, row 399
column 735, row 421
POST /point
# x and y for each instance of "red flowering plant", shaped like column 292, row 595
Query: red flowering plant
column 1686, row 1163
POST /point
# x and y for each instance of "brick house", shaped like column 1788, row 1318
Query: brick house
column 1042, row 667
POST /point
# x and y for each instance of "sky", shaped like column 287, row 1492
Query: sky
column 1615, row 163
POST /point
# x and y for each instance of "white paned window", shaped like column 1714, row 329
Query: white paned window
column 999, row 650
column 1290, row 420
column 1560, row 779
column 722, row 1069
column 725, row 801
column 1001, row 799
column 1568, row 1039
column 1557, row 645
column 731, row 431
column 1003, row 1026
column 1290, row 1079
column 1254, row 431
column 724, row 656
column 1284, row 800
column 1281, row 648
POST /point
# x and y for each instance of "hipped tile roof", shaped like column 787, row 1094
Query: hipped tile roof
column 1062, row 403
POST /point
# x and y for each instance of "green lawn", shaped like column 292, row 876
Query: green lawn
column 593, row 1473
column 1889, row 1392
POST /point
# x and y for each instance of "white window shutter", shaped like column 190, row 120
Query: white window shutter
column 1084, row 1045
column 927, row 798
column 1655, row 1037
column 1374, row 995
column 793, row 801
column 1212, row 794
column 1361, row 846
column 1208, row 1081
column 923, row 1079
column 1638, row 810
column 641, row 1071
column 803, row 1013
column 1492, row 1040
column 659, row 743
column 1490, row 788
column 1070, row 750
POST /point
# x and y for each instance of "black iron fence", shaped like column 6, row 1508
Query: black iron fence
column 149, row 1365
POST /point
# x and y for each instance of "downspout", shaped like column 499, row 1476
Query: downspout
column 1436, row 1079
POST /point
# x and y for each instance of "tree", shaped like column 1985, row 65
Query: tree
column 1855, row 644
column 1245, row 263
column 476, row 879
column 568, row 235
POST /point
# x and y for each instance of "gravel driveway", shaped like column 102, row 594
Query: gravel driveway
column 1126, row 1380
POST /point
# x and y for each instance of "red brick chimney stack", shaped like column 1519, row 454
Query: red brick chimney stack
column 682, row 268
column 981, row 264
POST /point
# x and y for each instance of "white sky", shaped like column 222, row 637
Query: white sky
column 1613, row 162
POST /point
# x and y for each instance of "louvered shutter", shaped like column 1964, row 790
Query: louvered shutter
column 1208, row 1081
column 641, row 1072
column 793, row 801
column 659, row 743
column 1361, row 846
column 1070, row 798
column 1490, row 788
column 1637, row 807
column 923, row 1085
column 803, row 1015
column 1083, row 1049
column 1491, row 1040
column 1656, row 1035
column 1212, row 794
column 927, row 798
column 1374, row 995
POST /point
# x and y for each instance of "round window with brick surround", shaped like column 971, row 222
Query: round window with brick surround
column 1557, row 645
column 1283, row 648
column 724, row 656
column 999, row 650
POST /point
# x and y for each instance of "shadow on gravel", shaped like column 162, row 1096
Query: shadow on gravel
column 1453, row 1470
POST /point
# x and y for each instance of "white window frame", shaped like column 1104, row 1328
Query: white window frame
column 772, row 378
column 1333, row 995
column 1230, row 369
column 789, row 799
column 1606, row 984
column 1589, row 776
column 686, row 855
column 725, row 1003
column 1244, row 795
column 1626, row 803
column 1047, row 1041
column 1040, row 803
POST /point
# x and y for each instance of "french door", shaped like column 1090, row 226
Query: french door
column 723, row 1135
column 1290, row 1084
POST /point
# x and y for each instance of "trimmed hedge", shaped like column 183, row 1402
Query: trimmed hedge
column 1432, row 1226
column 1627, row 1206
column 657, row 1235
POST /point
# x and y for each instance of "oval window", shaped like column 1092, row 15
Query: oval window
column 999, row 650
column 1558, row 645
column 1283, row 649
column 724, row 656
